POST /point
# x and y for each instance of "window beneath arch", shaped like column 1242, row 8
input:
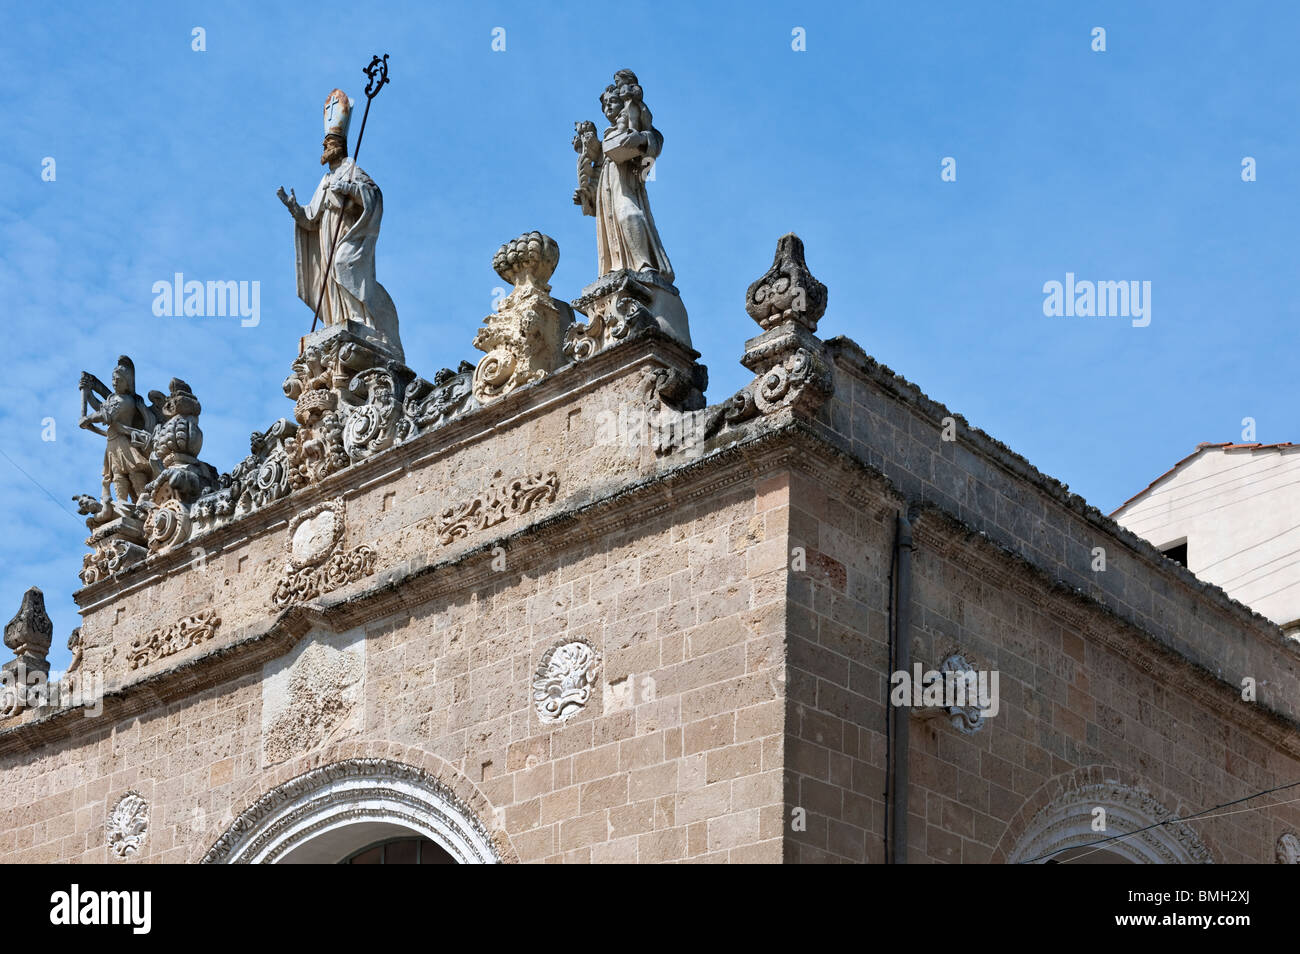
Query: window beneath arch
column 401, row 851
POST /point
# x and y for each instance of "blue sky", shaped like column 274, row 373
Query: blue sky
column 1122, row 165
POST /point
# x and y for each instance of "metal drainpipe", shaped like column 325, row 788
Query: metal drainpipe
column 902, row 654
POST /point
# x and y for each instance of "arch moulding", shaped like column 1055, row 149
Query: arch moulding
column 317, row 799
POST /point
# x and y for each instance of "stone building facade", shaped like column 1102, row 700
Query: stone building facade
column 557, row 607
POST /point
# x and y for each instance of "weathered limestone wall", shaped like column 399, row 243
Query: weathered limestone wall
column 888, row 424
column 1128, row 677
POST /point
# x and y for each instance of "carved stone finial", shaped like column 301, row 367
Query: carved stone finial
column 30, row 632
column 528, row 261
column 524, row 340
column 788, row 291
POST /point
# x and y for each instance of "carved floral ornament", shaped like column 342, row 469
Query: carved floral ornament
column 564, row 681
column 497, row 504
column 170, row 640
column 128, row 824
column 317, row 563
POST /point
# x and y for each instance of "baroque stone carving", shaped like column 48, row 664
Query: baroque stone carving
column 788, row 359
column 787, row 291
column 128, row 824
column 497, row 504
column 110, row 557
column 564, row 681
column 372, row 427
column 966, row 719
column 524, row 339
column 127, row 422
column 169, row 640
column 635, row 283
column 152, row 471
column 175, row 444
column 1288, row 848
column 167, row 526
column 341, row 223
column 430, row 404
column 626, row 237
column 317, row 563
column 29, row 634
column 1067, row 822
column 316, row 448
column 351, row 402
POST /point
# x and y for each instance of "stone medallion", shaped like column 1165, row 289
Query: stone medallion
column 315, row 532
column 562, row 687
column 128, row 824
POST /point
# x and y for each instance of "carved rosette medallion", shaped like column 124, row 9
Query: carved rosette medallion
column 564, row 681
column 169, row 640
column 317, row 562
column 128, row 824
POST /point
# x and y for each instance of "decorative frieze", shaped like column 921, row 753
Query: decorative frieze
column 497, row 504
column 170, row 640
column 564, row 681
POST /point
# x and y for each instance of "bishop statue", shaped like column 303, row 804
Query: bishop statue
column 352, row 294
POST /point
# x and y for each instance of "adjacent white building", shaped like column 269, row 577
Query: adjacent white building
column 1231, row 514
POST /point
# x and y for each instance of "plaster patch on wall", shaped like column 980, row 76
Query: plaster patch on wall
column 311, row 694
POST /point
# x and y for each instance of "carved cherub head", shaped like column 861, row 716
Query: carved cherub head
column 629, row 87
